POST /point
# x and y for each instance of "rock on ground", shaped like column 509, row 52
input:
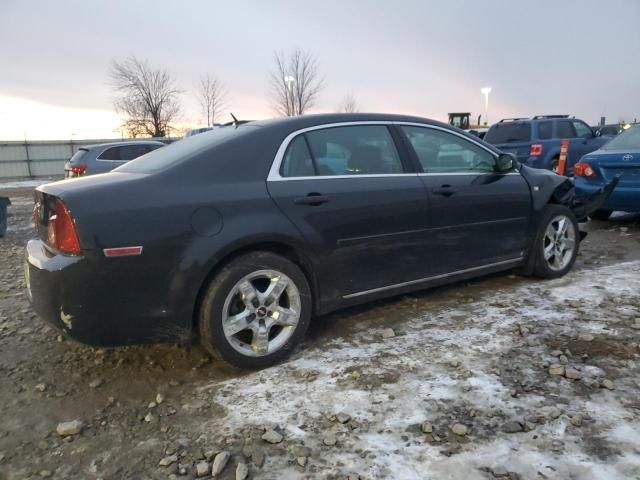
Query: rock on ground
column 73, row 427
column 219, row 463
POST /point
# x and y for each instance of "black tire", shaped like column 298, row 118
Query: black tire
column 212, row 336
column 541, row 267
column 601, row 214
column 553, row 166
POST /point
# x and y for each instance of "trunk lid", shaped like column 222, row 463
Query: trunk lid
column 610, row 164
column 76, row 194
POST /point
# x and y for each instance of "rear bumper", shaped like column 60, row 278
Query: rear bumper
column 74, row 294
column 625, row 199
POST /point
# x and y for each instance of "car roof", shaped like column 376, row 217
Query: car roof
column 284, row 126
column 120, row 143
column 313, row 120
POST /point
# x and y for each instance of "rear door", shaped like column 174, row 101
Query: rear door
column 352, row 195
column 477, row 216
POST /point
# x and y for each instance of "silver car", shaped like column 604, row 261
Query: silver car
column 102, row 158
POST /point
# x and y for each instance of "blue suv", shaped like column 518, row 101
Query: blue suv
column 536, row 141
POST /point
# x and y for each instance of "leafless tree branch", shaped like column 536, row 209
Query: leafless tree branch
column 349, row 104
column 212, row 97
column 147, row 97
column 295, row 82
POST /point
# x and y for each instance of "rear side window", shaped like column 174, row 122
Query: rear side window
column 297, row 160
column 545, row 130
column 355, row 150
column 509, row 132
column 124, row 152
column 564, row 129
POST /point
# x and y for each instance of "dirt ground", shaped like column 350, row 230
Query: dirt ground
column 503, row 377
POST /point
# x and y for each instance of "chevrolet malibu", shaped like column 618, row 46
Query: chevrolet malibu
column 240, row 236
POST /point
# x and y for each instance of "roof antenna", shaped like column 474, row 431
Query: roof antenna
column 235, row 120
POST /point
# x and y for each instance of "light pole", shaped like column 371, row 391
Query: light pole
column 486, row 91
column 289, row 80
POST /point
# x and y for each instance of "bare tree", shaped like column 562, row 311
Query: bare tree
column 147, row 97
column 295, row 82
column 212, row 97
column 349, row 104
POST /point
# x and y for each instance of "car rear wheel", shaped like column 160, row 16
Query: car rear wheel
column 553, row 166
column 601, row 214
column 557, row 242
column 255, row 311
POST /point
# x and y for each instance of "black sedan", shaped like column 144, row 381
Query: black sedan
column 241, row 235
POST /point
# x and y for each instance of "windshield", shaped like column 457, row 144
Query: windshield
column 181, row 150
column 508, row 133
column 627, row 140
column 78, row 155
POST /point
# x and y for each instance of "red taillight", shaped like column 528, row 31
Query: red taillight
column 582, row 169
column 61, row 232
column 535, row 150
column 78, row 169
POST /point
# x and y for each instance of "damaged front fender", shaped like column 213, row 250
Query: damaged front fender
column 583, row 205
column 548, row 187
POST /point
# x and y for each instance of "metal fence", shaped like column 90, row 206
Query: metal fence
column 42, row 158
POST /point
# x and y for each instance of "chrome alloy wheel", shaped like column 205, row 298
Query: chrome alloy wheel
column 261, row 312
column 559, row 242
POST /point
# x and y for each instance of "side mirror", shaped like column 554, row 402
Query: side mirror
column 505, row 162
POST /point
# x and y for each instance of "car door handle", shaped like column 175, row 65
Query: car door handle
column 313, row 199
column 445, row 190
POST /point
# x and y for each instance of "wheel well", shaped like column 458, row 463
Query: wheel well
column 282, row 249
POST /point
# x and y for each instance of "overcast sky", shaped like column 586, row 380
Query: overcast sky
column 406, row 56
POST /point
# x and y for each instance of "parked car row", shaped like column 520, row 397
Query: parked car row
column 104, row 157
column 240, row 235
column 536, row 141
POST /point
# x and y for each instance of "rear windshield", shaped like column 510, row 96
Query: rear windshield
column 508, row 133
column 182, row 150
column 78, row 155
column 627, row 140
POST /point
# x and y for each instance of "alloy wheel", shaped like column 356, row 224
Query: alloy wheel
column 559, row 242
column 261, row 312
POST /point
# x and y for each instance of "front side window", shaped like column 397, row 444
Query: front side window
column 565, row 130
column 442, row 152
column 582, row 129
column 350, row 150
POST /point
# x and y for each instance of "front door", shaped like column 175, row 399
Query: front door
column 477, row 216
column 351, row 196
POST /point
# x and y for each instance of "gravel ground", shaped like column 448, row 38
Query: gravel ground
column 504, row 377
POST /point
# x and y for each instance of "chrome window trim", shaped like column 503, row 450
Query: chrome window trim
column 274, row 172
column 429, row 279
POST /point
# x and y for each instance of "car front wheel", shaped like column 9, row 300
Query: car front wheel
column 255, row 311
column 557, row 242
